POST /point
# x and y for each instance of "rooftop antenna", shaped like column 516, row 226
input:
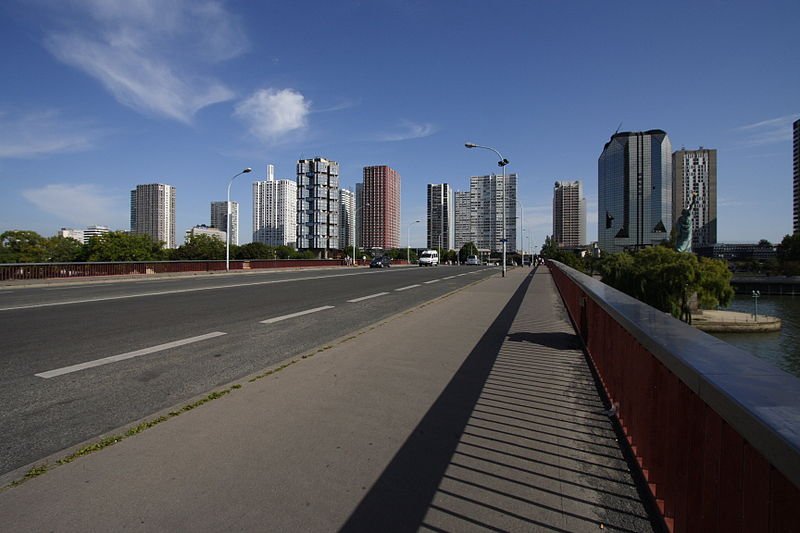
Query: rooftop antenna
column 618, row 128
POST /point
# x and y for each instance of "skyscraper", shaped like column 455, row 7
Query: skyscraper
column 318, row 205
column 153, row 212
column 347, row 218
column 441, row 226
column 796, row 180
column 634, row 182
column 461, row 212
column 694, row 173
column 380, row 217
column 275, row 211
column 219, row 215
column 569, row 214
column 486, row 211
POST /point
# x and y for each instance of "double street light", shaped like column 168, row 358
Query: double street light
column 228, row 221
column 355, row 233
column 502, row 164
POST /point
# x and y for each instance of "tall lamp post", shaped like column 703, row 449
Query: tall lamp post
column 228, row 221
column 355, row 233
column 502, row 164
column 408, row 241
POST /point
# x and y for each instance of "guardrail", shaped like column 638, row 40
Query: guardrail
column 715, row 430
column 12, row 271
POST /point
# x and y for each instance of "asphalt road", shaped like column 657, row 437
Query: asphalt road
column 81, row 360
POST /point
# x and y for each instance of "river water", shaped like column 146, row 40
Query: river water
column 780, row 348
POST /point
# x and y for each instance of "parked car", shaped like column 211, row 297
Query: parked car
column 383, row 261
column 473, row 260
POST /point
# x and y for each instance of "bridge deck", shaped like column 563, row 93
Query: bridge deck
column 475, row 412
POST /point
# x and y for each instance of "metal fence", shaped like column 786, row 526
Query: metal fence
column 715, row 431
column 22, row 271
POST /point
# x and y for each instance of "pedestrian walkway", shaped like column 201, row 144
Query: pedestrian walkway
column 474, row 412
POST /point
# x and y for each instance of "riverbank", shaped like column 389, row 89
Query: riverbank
column 712, row 321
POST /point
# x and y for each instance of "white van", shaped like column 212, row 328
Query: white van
column 429, row 258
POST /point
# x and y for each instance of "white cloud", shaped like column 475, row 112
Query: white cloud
column 151, row 55
column 41, row 133
column 410, row 130
column 272, row 113
column 79, row 205
column 769, row 131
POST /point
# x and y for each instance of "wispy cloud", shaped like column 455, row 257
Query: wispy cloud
column 409, row 130
column 152, row 55
column 273, row 113
column 769, row 131
column 43, row 132
column 80, row 205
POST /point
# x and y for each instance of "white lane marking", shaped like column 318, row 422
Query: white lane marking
column 121, row 357
column 176, row 291
column 367, row 297
column 301, row 313
column 449, row 277
column 432, row 281
column 406, row 288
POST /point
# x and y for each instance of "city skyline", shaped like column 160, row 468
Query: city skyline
column 115, row 112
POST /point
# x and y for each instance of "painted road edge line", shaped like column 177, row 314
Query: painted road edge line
column 367, row 297
column 301, row 313
column 406, row 288
column 129, row 355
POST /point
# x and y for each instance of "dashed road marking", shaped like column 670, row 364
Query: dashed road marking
column 406, row 288
column 293, row 315
column 367, row 297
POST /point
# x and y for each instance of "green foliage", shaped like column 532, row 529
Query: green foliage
column 284, row 252
column 200, row 247
column 254, row 250
column 64, row 249
column 550, row 250
column 121, row 246
column 22, row 246
column 790, row 248
column 666, row 279
column 467, row 250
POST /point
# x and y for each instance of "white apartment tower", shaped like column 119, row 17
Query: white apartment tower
column 461, row 212
column 694, row 174
column 153, row 212
column 318, row 205
column 275, row 211
column 347, row 218
column 486, row 211
column 441, row 226
column 219, row 215
column 569, row 214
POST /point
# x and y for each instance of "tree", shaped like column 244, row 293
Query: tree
column 255, row 250
column 22, row 246
column 121, row 246
column 63, row 249
column 467, row 250
column 666, row 279
column 200, row 247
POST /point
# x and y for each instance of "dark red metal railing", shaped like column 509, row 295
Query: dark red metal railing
column 712, row 461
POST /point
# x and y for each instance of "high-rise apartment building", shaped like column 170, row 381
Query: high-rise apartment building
column 569, row 214
column 318, row 205
column 359, row 205
column 634, row 181
column 275, row 211
column 219, row 215
column 153, row 212
column 380, row 216
column 94, row 231
column 796, row 180
column 441, row 220
column 694, row 175
column 486, row 211
column 347, row 218
column 461, row 213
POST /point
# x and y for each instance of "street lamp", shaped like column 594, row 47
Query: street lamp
column 756, row 295
column 355, row 233
column 502, row 164
column 228, row 222
column 408, row 241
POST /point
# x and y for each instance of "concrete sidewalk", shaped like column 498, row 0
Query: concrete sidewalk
column 474, row 412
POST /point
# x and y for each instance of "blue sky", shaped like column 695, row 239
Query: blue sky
column 98, row 96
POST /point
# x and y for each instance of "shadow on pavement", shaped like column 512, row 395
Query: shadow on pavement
column 404, row 492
